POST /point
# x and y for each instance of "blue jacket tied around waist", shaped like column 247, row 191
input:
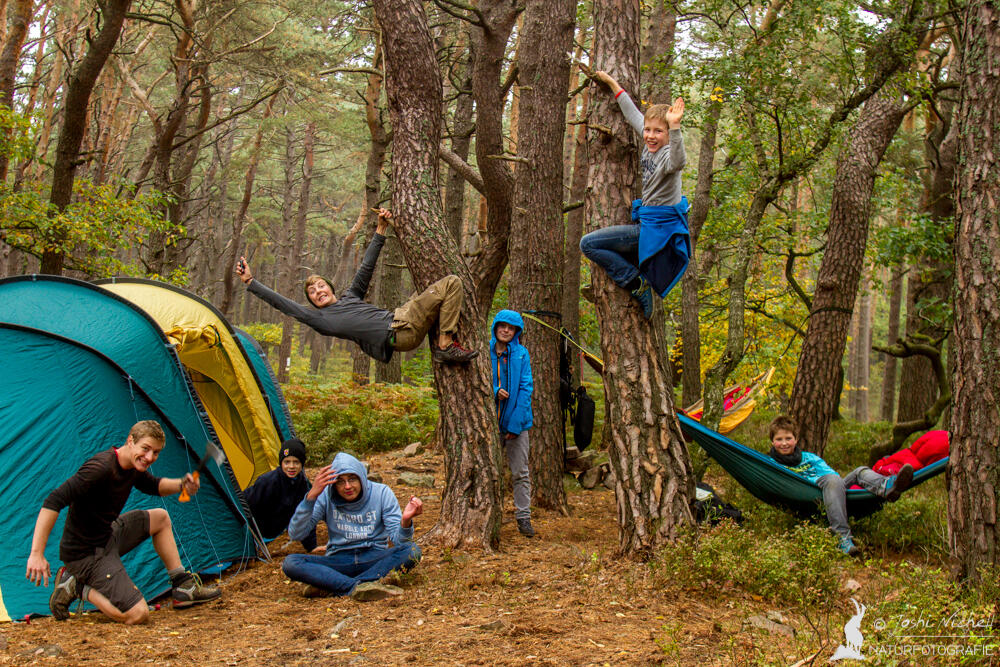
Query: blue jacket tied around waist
column 664, row 243
column 514, row 414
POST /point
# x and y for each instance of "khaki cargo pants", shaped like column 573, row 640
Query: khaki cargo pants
column 441, row 303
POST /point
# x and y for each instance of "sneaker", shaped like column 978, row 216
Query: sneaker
column 644, row 295
column 453, row 354
column 524, row 527
column 848, row 547
column 373, row 590
column 192, row 592
column 902, row 482
column 63, row 594
column 310, row 591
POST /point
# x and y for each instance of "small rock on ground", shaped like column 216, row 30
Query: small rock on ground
column 416, row 479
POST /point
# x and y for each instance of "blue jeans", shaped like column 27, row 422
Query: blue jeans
column 614, row 249
column 340, row 572
column 835, row 494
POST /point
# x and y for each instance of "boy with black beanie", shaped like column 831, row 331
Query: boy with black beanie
column 275, row 495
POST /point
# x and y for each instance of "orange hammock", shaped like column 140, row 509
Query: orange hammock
column 738, row 402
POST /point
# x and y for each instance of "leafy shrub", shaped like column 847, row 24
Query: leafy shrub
column 341, row 416
column 798, row 567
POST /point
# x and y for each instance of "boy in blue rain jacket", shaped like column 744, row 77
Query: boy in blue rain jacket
column 512, row 388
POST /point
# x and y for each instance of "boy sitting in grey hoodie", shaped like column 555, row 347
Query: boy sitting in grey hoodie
column 361, row 518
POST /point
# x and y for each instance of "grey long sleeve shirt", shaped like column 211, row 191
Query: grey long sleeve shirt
column 351, row 317
column 661, row 171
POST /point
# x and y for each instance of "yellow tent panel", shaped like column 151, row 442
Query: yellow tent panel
column 222, row 377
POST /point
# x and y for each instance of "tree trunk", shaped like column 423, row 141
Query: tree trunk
column 973, row 485
column 658, row 53
column 650, row 463
column 812, row 399
column 931, row 282
column 462, row 127
column 288, row 261
column 889, row 375
column 574, row 225
column 467, row 428
column 81, row 84
column 536, row 257
column 690, row 281
column 240, row 218
column 10, row 56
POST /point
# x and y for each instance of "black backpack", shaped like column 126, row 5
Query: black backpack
column 712, row 509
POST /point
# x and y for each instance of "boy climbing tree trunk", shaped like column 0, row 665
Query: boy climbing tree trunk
column 651, row 467
column 467, row 427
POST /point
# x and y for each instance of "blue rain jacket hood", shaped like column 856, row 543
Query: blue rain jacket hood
column 370, row 521
column 514, row 413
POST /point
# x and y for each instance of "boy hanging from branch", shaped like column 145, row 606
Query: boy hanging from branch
column 376, row 330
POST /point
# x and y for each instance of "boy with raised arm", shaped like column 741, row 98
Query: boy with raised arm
column 96, row 535
column 652, row 255
column 377, row 331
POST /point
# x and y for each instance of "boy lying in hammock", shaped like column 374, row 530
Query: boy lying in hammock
column 785, row 450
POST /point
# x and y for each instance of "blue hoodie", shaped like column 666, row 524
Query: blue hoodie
column 368, row 522
column 513, row 375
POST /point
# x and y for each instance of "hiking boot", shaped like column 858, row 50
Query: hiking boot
column 453, row 354
column 63, row 594
column 310, row 591
column 191, row 591
column 848, row 547
column 902, row 482
column 373, row 590
column 644, row 295
column 524, row 527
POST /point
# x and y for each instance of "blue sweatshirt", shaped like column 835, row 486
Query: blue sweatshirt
column 812, row 467
column 368, row 522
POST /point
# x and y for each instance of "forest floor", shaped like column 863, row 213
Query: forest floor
column 562, row 598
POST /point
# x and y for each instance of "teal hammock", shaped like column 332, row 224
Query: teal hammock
column 776, row 485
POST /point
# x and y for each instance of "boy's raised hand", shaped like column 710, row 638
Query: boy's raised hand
column 243, row 271
column 384, row 220
column 674, row 114
column 324, row 478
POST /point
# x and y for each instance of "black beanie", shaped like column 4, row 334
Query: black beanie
column 293, row 447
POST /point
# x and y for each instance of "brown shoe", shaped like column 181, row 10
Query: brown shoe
column 310, row 591
column 902, row 482
column 453, row 354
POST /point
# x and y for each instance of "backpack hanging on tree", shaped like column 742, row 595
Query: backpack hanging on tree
column 583, row 427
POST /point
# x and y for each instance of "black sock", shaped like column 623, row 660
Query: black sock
column 633, row 284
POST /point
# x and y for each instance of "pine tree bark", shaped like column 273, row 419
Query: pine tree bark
column 973, row 488
column 536, row 257
column 240, row 218
column 574, row 224
column 652, row 472
column 81, row 84
column 812, row 400
column 467, row 427
column 690, row 281
column 890, row 374
column 10, row 56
